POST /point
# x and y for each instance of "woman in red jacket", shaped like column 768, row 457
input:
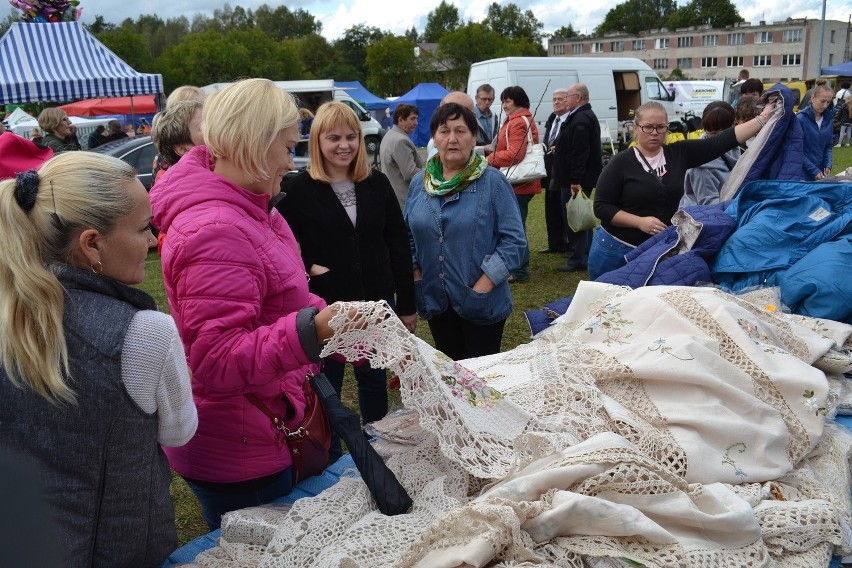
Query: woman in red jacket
column 511, row 148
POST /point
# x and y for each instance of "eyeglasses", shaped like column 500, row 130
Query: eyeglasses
column 649, row 128
column 573, row 95
column 485, row 99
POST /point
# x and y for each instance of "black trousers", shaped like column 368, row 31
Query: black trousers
column 554, row 218
column 459, row 338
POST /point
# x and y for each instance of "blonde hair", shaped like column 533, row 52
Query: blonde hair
column 171, row 128
column 185, row 93
column 305, row 114
column 241, row 121
column 650, row 105
column 76, row 191
column 50, row 118
column 329, row 116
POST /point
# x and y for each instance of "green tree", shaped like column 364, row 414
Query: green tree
column 634, row 16
column 509, row 21
column 281, row 23
column 392, row 66
column 7, row 22
column 717, row 13
column 413, row 35
column 316, row 55
column 98, row 26
column 171, row 33
column 210, row 57
column 565, row 32
column 470, row 43
column 352, row 47
column 443, row 19
column 130, row 46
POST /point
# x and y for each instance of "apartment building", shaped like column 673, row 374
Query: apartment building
column 777, row 51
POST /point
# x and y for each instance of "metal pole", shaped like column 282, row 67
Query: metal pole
column 821, row 39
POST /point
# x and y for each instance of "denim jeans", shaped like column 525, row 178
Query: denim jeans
column 215, row 503
column 372, row 394
column 523, row 272
column 607, row 253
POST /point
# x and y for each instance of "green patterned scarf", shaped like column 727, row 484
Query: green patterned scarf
column 435, row 184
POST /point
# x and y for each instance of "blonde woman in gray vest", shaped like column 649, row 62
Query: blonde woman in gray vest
column 93, row 378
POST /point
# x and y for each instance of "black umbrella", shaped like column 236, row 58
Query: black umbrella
column 391, row 497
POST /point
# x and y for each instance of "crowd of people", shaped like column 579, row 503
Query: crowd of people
column 253, row 265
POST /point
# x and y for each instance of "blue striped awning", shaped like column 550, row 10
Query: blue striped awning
column 64, row 62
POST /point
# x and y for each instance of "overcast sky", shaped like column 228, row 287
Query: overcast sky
column 337, row 16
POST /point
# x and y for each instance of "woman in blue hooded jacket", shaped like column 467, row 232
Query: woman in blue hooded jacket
column 817, row 122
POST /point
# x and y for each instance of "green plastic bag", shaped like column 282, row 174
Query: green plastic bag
column 581, row 213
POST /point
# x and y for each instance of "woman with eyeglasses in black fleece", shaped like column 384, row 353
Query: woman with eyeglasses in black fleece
column 640, row 189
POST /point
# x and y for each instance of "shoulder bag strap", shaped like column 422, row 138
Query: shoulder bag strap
column 276, row 420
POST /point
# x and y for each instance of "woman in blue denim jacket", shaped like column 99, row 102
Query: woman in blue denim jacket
column 466, row 237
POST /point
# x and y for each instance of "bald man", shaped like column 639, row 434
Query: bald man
column 458, row 97
column 463, row 99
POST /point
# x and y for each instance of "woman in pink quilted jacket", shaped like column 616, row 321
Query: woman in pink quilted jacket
column 238, row 292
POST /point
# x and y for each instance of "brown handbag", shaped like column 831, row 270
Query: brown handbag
column 309, row 443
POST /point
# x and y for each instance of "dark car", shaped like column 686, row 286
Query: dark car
column 138, row 151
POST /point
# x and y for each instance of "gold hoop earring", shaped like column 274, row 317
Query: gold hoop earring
column 99, row 269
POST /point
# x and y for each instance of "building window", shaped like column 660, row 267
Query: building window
column 708, row 62
column 762, row 37
column 661, row 43
column 736, row 39
column 559, row 49
column 832, row 36
column 576, row 48
column 597, row 47
column 792, row 59
column 684, row 41
column 661, row 64
column 638, row 44
column 616, row 46
column 734, row 61
column 710, row 40
column 790, row 36
column 684, row 63
column 762, row 60
column 830, row 59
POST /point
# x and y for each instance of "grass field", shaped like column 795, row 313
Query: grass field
column 544, row 285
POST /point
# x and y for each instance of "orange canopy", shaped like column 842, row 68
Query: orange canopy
column 139, row 104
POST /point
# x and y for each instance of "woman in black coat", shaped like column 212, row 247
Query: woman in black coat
column 353, row 238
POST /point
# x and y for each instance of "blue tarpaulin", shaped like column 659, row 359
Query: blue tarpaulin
column 64, row 62
column 841, row 70
column 426, row 97
column 360, row 93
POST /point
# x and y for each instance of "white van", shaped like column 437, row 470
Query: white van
column 312, row 93
column 695, row 95
column 617, row 85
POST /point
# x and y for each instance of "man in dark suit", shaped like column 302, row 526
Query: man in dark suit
column 553, row 216
column 576, row 166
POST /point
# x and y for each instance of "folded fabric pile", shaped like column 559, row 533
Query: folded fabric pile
column 666, row 426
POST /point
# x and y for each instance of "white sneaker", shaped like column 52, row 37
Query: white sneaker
column 836, row 146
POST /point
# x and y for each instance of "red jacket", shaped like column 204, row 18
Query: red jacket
column 513, row 152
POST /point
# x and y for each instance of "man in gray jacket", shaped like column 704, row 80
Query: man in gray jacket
column 399, row 158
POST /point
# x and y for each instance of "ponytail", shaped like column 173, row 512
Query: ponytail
column 41, row 215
